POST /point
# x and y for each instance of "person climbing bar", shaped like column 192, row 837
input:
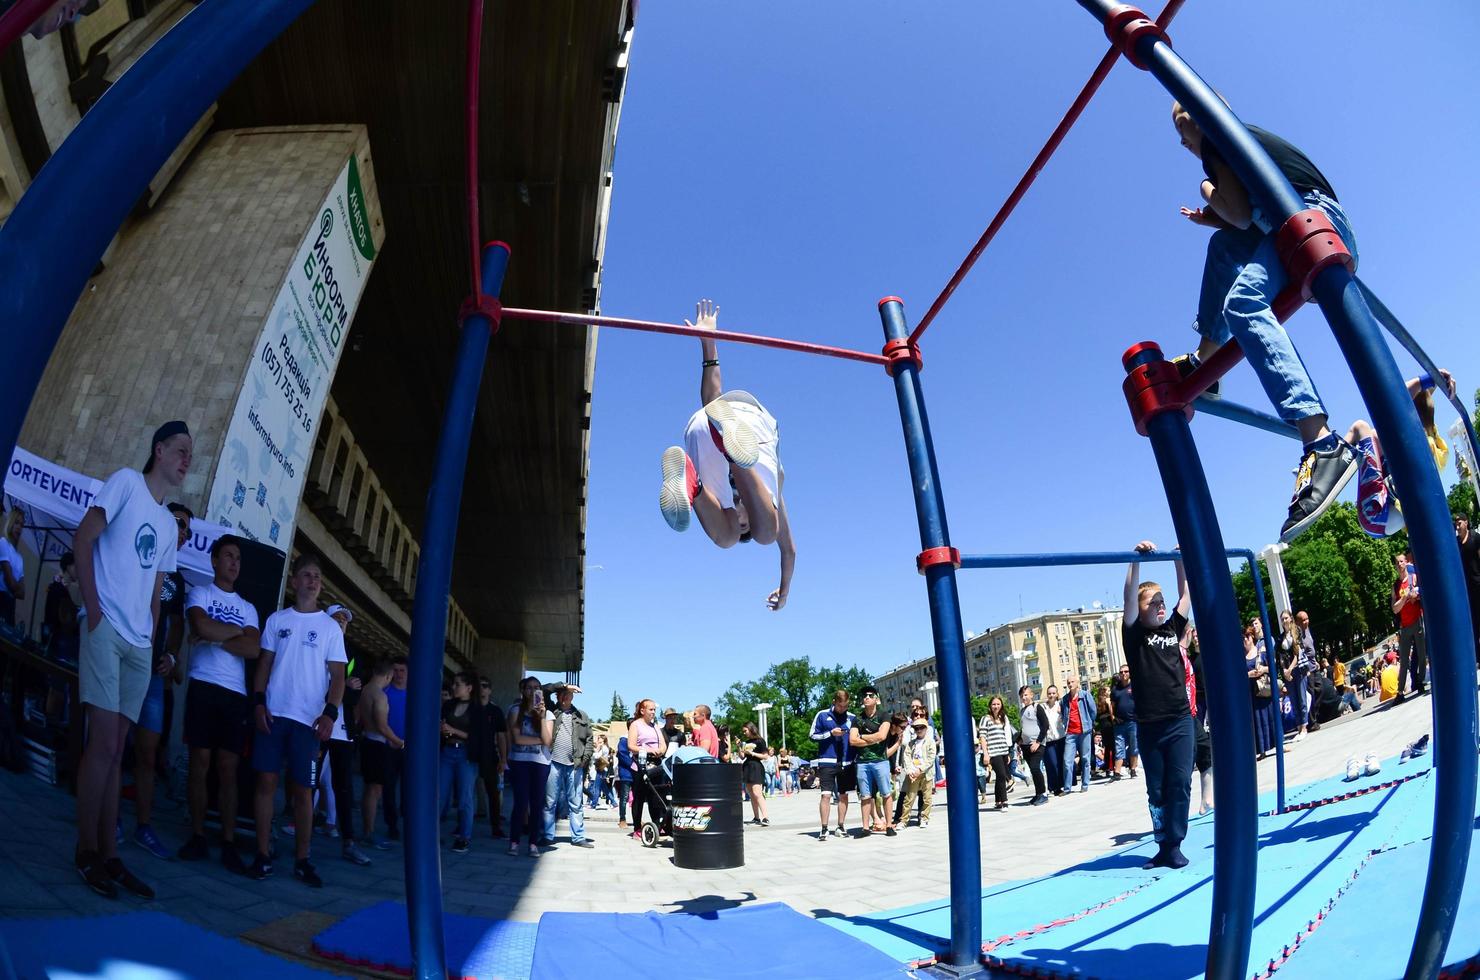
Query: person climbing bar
column 1378, row 510
column 728, row 471
column 1241, row 278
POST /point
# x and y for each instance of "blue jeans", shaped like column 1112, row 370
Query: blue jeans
column 596, row 789
column 1126, row 748
column 564, row 786
column 457, row 770
column 1241, row 278
column 1167, row 759
column 1082, row 745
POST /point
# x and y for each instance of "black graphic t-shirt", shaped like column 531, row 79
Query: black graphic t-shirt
column 171, row 610
column 1157, row 674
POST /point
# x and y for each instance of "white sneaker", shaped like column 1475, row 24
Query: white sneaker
column 1372, row 765
column 1353, row 768
column 1299, row 736
column 680, row 484
column 737, row 438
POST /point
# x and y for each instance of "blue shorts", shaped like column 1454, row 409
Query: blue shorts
column 1126, row 746
column 291, row 742
column 151, row 715
column 873, row 779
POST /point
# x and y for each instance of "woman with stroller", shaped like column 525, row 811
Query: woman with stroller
column 753, row 753
column 645, row 741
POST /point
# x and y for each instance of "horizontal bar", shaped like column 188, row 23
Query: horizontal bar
column 682, row 330
column 1234, row 412
column 1082, row 558
column 1102, row 70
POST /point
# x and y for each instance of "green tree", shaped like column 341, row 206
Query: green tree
column 798, row 686
column 619, row 708
column 1248, row 602
column 1321, row 585
column 1462, row 501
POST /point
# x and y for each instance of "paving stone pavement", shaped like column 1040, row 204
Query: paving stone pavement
column 784, row 862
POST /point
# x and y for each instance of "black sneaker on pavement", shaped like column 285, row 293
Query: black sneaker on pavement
column 459, row 845
column 890, row 832
column 130, row 882
column 90, row 867
column 261, row 868
column 1324, row 471
column 822, row 835
column 195, row 849
column 305, row 872
column 584, row 842
column 231, row 860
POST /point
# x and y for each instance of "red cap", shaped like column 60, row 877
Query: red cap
column 498, row 244
column 891, row 299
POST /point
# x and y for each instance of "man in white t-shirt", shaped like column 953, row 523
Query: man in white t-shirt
column 12, row 565
column 296, row 695
column 224, row 626
column 728, row 471
column 125, row 545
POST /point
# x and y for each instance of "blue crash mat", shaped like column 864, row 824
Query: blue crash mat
column 136, row 946
column 477, row 949
column 733, row 944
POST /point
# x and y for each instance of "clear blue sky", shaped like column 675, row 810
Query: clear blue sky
column 796, row 161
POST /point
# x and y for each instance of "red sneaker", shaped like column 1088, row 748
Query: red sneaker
column 680, row 487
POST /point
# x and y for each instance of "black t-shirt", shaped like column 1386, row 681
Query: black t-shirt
column 1155, row 658
column 1469, row 556
column 1296, row 166
column 870, row 726
column 61, row 612
column 171, row 610
column 1124, row 701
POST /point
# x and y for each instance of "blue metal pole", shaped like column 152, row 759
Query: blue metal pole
column 1271, row 658
column 1234, row 412
column 429, row 636
column 1446, row 606
column 1235, row 827
column 964, row 833
column 56, row 235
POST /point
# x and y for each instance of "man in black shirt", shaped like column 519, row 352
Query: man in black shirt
column 1469, row 555
column 1159, row 673
column 1241, row 279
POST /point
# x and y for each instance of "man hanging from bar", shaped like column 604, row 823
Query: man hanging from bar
column 1241, row 279
column 729, row 469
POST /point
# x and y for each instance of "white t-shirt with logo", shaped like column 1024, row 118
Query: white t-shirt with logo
column 304, row 645
column 138, row 543
column 210, row 662
column 11, row 557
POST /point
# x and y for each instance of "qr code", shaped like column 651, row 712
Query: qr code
column 272, row 532
column 261, row 494
column 239, row 495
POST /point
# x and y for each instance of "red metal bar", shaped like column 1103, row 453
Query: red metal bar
column 648, row 326
column 1057, row 137
column 475, row 52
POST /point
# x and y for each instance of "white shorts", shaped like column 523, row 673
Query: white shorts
column 709, row 460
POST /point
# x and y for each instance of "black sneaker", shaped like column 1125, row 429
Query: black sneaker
column 130, row 882
column 459, row 845
column 822, row 835
column 90, row 867
column 305, row 872
column 231, row 860
column 890, row 832
column 261, row 868
column 1188, row 363
column 195, row 849
column 1325, row 469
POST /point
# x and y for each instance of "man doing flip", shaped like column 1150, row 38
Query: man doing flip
column 729, row 469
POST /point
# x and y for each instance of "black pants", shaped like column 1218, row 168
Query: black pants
column 1000, row 779
column 7, row 608
column 1053, row 763
column 492, row 775
column 1034, row 761
column 1166, row 759
column 342, row 768
column 390, row 796
column 1413, row 657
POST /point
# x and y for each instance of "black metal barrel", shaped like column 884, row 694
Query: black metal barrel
column 708, row 825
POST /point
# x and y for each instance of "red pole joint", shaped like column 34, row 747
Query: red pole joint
column 937, row 556
column 899, row 350
column 1307, row 243
column 1127, row 26
column 1152, row 385
column 484, row 305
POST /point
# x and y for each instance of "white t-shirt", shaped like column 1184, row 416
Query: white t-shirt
column 11, row 557
column 304, row 644
column 210, row 662
column 138, row 543
column 709, row 460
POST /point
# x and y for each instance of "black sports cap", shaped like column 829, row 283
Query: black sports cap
column 164, row 432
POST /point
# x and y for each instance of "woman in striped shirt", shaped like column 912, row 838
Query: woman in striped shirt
column 996, row 738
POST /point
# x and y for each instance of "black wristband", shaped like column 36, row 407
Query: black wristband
column 711, row 362
column 331, row 711
column 259, row 697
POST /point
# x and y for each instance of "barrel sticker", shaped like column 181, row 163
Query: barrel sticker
column 692, row 817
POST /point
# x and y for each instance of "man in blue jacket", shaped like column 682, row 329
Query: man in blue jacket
column 1078, row 710
column 835, row 768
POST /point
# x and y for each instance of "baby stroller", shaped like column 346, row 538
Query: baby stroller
column 655, row 784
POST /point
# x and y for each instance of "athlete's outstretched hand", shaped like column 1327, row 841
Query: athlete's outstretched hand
column 707, row 315
column 776, row 600
column 1202, row 216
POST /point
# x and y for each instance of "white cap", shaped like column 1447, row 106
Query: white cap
column 336, row 609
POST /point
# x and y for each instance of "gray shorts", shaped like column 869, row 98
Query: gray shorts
column 113, row 674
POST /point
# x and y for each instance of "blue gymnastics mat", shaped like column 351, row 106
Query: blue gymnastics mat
column 477, row 949
column 136, row 946
column 733, row 944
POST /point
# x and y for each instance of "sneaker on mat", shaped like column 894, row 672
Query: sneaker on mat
column 1372, row 765
column 146, row 838
column 1325, row 468
column 1353, row 768
column 734, row 435
column 680, row 487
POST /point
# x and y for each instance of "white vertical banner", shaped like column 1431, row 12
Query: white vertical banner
column 1464, row 459
column 269, row 440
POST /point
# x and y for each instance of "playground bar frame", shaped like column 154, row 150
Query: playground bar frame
column 1359, row 337
column 1234, row 412
column 683, row 330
